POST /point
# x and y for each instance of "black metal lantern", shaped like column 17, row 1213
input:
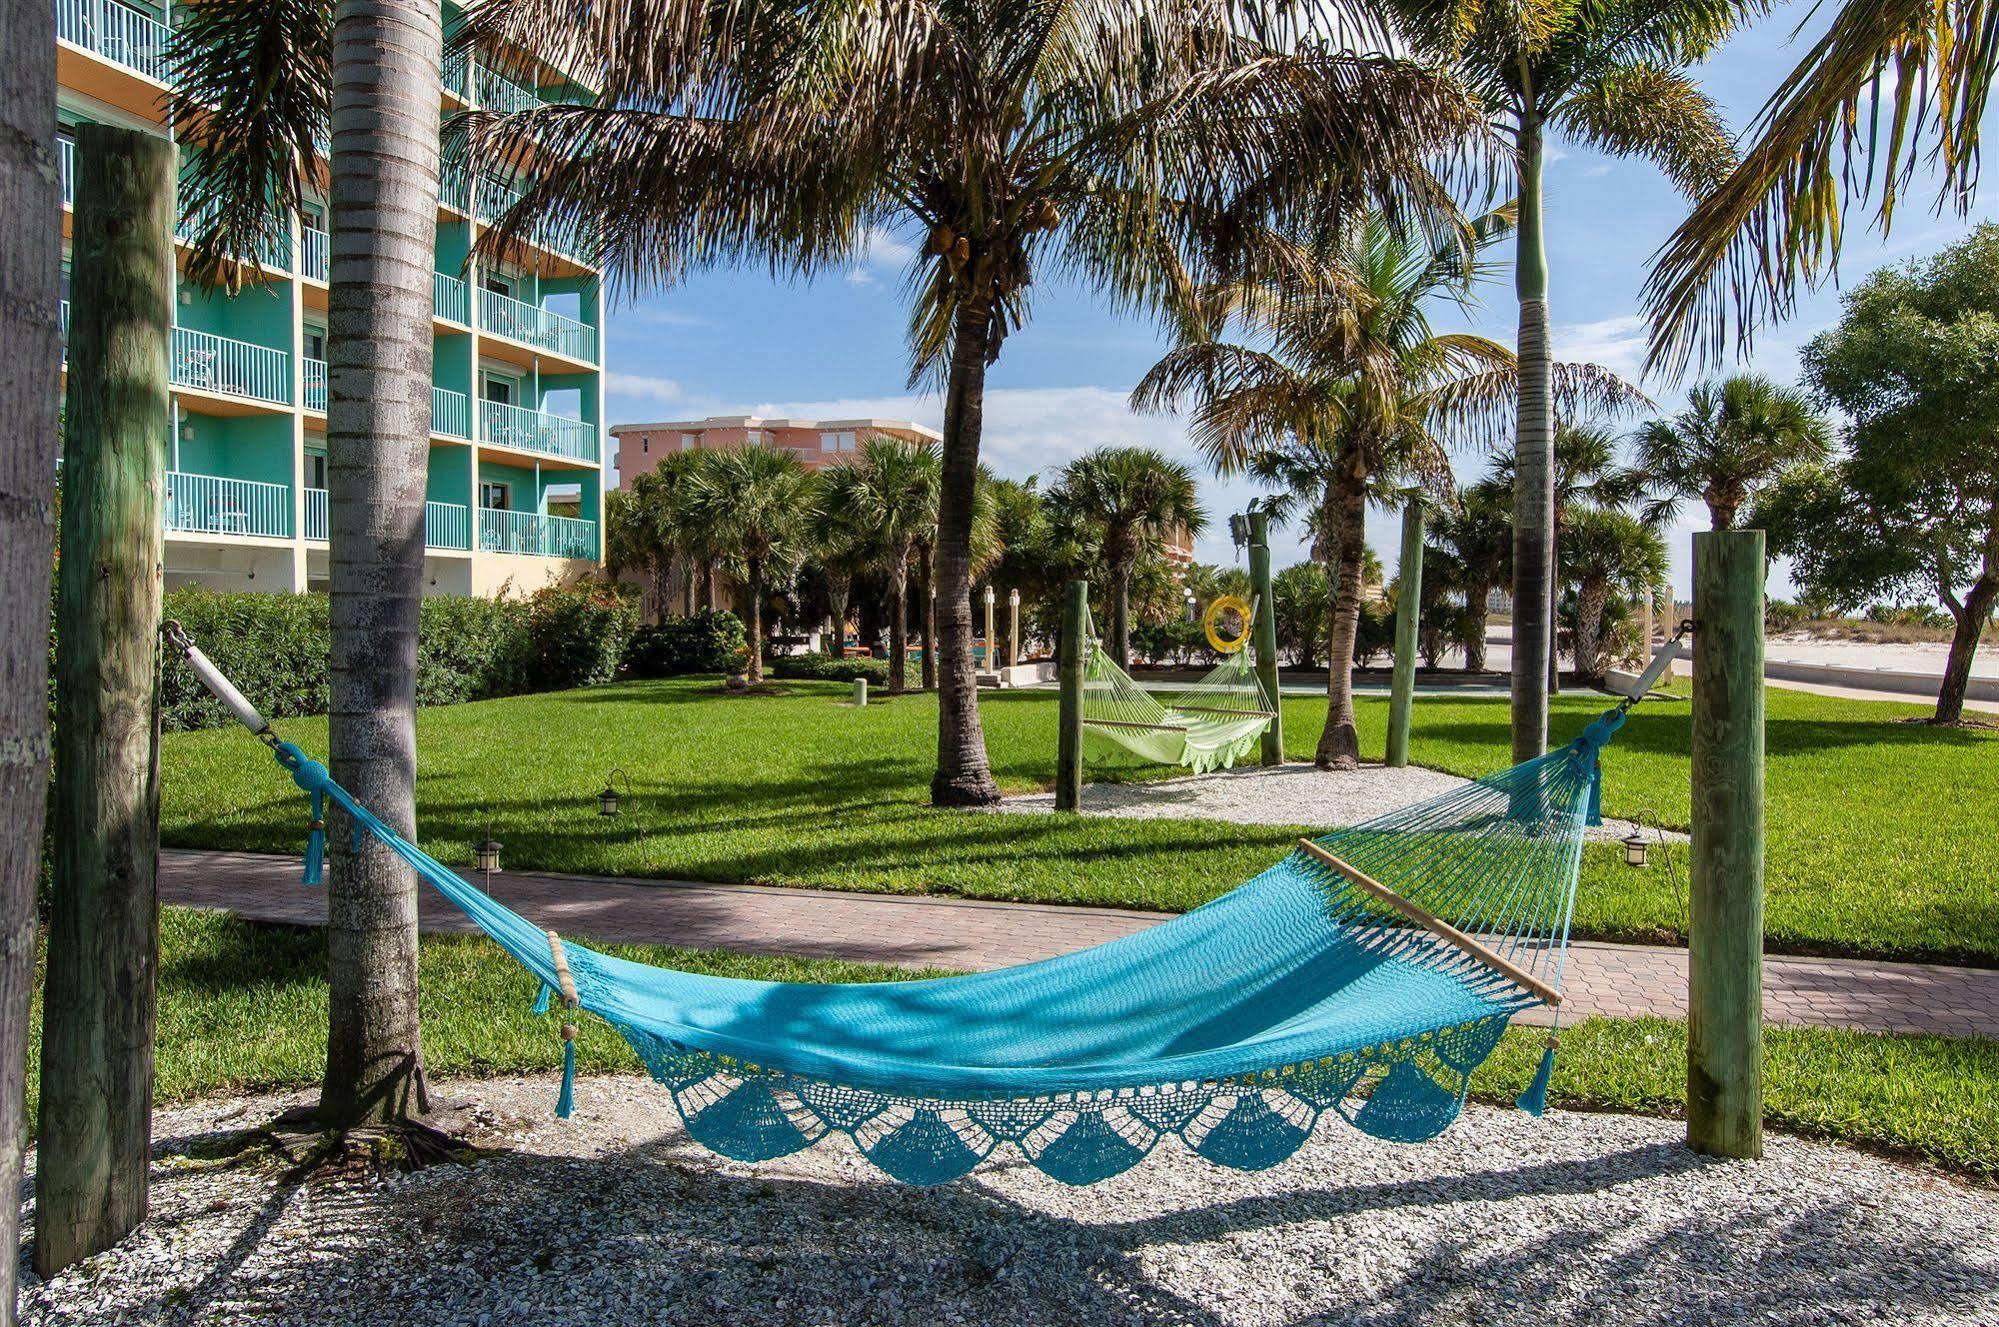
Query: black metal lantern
column 487, row 854
column 1635, row 845
column 607, row 801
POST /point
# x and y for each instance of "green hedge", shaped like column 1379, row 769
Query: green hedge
column 274, row 647
column 825, row 668
column 702, row 643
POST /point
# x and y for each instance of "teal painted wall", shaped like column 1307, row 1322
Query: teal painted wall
column 255, row 447
column 261, row 314
column 450, row 475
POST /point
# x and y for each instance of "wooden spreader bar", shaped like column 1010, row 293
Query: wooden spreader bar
column 1127, row 723
column 1216, row 709
column 1436, row 925
column 564, row 981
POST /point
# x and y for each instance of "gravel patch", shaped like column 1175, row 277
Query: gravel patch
column 615, row 1217
column 1283, row 795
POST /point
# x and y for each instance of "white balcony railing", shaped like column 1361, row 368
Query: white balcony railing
column 66, row 168
column 274, row 250
column 536, row 535
column 449, row 300
column 445, row 524
column 536, row 431
column 315, row 384
column 503, row 315
column 212, row 363
column 211, row 504
column 312, row 250
column 450, row 413
column 119, row 33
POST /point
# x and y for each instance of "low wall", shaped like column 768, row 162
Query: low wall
column 1890, row 680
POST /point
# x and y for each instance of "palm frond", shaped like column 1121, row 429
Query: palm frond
column 1658, row 113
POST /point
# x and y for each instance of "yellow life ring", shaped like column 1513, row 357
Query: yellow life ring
column 1213, row 615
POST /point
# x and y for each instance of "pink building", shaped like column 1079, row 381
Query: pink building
column 815, row 442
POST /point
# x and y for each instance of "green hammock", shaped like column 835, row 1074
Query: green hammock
column 1211, row 725
column 1366, row 975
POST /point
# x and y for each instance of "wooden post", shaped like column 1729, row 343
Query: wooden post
column 97, row 1036
column 1069, row 713
column 1725, row 931
column 1408, row 614
column 1265, row 629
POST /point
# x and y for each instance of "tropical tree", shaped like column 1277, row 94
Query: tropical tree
column 1476, row 537
column 1344, row 383
column 261, row 82
column 1134, row 497
column 1604, row 551
column 885, row 501
column 1019, row 526
column 646, row 527
column 31, row 344
column 1732, row 439
column 757, row 500
column 1122, row 146
column 1610, row 75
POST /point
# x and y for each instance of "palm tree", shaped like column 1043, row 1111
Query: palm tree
column 757, row 500
column 1119, row 146
column 1134, row 497
column 1348, row 385
column 1477, row 537
column 260, row 80
column 1728, row 443
column 1890, row 84
column 886, row 501
column 1603, row 550
column 1609, row 75
column 31, row 342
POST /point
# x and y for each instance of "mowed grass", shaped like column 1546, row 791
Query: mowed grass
column 1880, row 831
column 243, row 1008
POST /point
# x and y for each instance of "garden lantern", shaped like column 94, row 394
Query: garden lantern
column 487, row 856
column 607, row 801
column 1634, row 848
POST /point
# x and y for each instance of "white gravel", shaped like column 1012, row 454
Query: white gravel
column 615, row 1217
column 1280, row 795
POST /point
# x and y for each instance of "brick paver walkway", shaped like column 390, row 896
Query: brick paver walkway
column 1615, row 980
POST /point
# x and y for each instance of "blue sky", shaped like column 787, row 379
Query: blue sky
column 731, row 342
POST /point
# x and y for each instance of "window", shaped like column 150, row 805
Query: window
column 494, row 496
column 499, row 389
column 689, row 441
column 841, row 441
column 500, row 284
column 315, row 342
column 645, row 444
column 315, row 469
column 756, row 438
column 313, row 215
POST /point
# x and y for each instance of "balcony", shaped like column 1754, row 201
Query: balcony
column 274, row 250
column 243, row 508
column 446, row 525
column 118, row 33
column 315, row 384
column 536, row 535
column 210, row 363
column 66, row 168
column 497, row 92
column 450, row 413
column 449, row 299
column 518, row 320
column 533, row 431
column 312, row 253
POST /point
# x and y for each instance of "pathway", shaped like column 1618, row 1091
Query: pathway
column 1620, row 981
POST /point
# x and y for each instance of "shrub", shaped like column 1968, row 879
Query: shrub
column 575, row 637
column 702, row 643
column 1782, row 615
column 272, row 646
column 825, row 668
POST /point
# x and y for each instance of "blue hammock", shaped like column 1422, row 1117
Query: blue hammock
column 1331, row 982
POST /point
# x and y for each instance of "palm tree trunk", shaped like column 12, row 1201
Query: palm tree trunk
column 384, row 195
column 1555, row 606
column 1339, row 744
column 756, row 570
column 1591, row 596
column 838, row 587
column 926, row 617
column 1972, row 615
column 898, row 626
column 1121, row 612
column 963, row 778
column 1476, row 613
column 1533, row 464
column 30, row 360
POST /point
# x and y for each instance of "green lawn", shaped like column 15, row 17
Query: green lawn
column 243, row 1007
column 1880, row 830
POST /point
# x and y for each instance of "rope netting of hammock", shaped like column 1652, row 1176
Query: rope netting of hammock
column 1213, row 723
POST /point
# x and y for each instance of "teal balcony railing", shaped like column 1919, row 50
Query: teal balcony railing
column 315, row 384
column 518, row 320
column 212, row 363
column 531, row 533
column 211, row 504
column 453, row 74
column 454, row 187
column 273, row 251
column 119, row 33
column 497, row 92
column 450, row 413
column 445, row 524
column 312, row 253
column 536, row 431
column 449, row 299
column 66, row 168
column 315, row 515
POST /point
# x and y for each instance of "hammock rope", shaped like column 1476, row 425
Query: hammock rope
column 1233, row 1028
column 1212, row 724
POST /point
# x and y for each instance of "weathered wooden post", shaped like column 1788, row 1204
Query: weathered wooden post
column 1069, row 712
column 1725, row 930
column 1408, row 614
column 97, row 1034
column 1265, row 628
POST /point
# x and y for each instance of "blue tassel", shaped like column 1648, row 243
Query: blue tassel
column 1535, row 1099
column 315, row 842
column 1596, row 795
column 541, row 1000
column 566, row 1101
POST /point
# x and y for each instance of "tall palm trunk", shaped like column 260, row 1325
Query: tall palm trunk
column 838, row 586
column 898, row 625
column 926, row 614
column 1533, row 463
column 1477, row 594
column 30, row 360
column 756, row 588
column 1346, row 501
column 963, row 778
column 1591, row 595
column 384, row 195
column 1121, row 611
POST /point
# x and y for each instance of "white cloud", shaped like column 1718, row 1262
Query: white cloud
column 1618, row 344
column 884, row 248
column 860, row 276
column 660, row 316
column 643, row 387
